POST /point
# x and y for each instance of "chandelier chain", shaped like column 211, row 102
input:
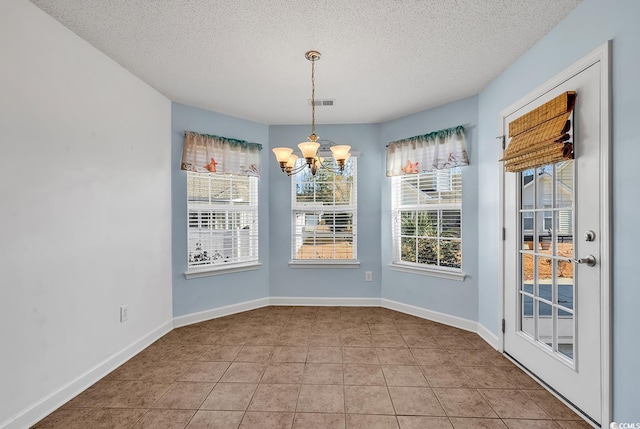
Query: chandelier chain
column 313, row 96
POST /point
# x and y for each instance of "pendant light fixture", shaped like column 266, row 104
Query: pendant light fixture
column 285, row 156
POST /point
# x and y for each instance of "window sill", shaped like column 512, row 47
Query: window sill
column 324, row 264
column 211, row 271
column 434, row 272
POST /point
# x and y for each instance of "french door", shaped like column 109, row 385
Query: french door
column 555, row 248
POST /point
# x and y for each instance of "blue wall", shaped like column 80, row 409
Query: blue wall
column 446, row 296
column 590, row 25
column 194, row 295
column 325, row 282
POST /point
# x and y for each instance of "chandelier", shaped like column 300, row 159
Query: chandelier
column 285, row 156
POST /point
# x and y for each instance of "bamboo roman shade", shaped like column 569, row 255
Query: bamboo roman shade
column 541, row 136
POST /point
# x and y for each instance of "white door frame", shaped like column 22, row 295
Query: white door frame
column 603, row 55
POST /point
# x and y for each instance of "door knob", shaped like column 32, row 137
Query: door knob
column 590, row 260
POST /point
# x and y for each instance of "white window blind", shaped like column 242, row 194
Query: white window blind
column 222, row 220
column 427, row 214
column 324, row 214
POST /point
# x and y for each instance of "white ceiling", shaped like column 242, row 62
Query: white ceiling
column 381, row 59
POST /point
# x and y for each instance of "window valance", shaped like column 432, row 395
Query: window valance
column 206, row 153
column 541, row 136
column 434, row 151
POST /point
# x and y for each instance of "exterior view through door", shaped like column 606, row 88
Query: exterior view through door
column 556, row 237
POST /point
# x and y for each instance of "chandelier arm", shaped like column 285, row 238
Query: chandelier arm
column 296, row 170
column 332, row 170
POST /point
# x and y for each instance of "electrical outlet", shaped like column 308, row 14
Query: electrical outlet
column 368, row 276
column 124, row 313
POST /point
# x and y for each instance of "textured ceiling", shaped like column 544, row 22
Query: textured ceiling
column 381, row 59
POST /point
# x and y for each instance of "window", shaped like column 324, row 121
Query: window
column 222, row 221
column 323, row 214
column 426, row 215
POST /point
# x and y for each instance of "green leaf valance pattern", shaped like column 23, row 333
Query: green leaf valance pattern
column 214, row 154
column 437, row 150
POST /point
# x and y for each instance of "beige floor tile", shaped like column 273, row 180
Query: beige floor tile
column 320, row 399
column 573, row 424
column 267, row 420
column 318, row 421
column 275, row 397
column 551, row 405
column 513, row 404
column 445, row 376
column 362, row 374
column 420, row 341
column 324, row 340
column 403, row 375
column 388, row 340
column 324, row 354
column 531, row 424
column 367, row 400
column 471, row 423
column 220, row 353
column 421, row 422
column 323, row 373
column 283, row 373
column 254, row 354
column 82, row 418
column 229, row 397
column 356, row 340
column 289, row 354
column 355, row 421
column 487, row 377
column 395, row 356
column 244, row 372
column 216, row 420
column 415, row 401
column 365, row 355
column 184, row 396
column 464, row 403
column 205, row 371
column 165, row 419
column 431, row 357
column 292, row 359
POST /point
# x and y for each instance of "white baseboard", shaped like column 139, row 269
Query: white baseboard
column 491, row 338
column 214, row 313
column 447, row 319
column 325, row 302
column 36, row 412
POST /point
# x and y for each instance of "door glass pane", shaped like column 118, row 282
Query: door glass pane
column 547, row 247
column 527, row 230
column 527, row 320
column 545, row 323
column 565, row 334
column 545, row 271
column 564, row 184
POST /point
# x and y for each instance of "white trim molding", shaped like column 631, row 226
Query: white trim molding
column 214, row 313
column 36, row 412
column 216, row 271
column 325, row 302
column 491, row 338
column 443, row 273
column 447, row 319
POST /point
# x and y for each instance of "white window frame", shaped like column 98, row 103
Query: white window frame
column 442, row 179
column 321, row 210
column 224, row 228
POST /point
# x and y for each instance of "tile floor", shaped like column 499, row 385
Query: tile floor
column 316, row 367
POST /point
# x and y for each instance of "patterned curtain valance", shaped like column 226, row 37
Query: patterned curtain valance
column 205, row 153
column 434, row 151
